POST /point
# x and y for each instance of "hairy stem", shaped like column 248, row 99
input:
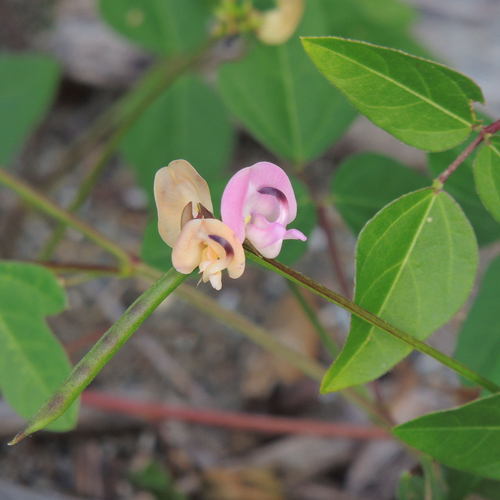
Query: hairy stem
column 92, row 363
column 348, row 305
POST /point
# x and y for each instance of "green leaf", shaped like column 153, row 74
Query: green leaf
column 282, row 100
column 420, row 102
column 487, row 176
column 162, row 26
column 461, row 186
column 482, row 322
column 366, row 182
column 154, row 250
column 32, row 362
column 27, row 86
column 305, row 221
column 415, row 264
column 466, row 438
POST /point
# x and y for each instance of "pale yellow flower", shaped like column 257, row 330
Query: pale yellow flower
column 278, row 25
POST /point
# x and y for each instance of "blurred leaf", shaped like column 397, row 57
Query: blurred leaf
column 366, row 182
column 487, row 176
column 154, row 250
column 32, row 362
column 479, row 339
column 466, row 438
column 393, row 90
column 156, row 479
column 431, row 485
column 282, row 100
column 27, row 86
column 163, row 26
column 461, row 186
column 188, row 121
column 292, row 250
column 410, row 487
column 416, row 261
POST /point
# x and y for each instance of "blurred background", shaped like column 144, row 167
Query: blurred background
column 182, row 356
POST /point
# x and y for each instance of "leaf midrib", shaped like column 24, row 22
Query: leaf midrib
column 404, row 87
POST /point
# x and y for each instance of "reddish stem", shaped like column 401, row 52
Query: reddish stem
column 493, row 128
column 325, row 224
column 259, row 423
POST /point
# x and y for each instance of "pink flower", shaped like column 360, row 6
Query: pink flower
column 258, row 203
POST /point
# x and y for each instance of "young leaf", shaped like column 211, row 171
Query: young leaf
column 32, row 361
column 422, row 103
column 461, row 186
column 466, row 438
column 415, row 264
column 479, row 338
column 27, row 86
column 487, row 176
column 163, row 26
column 271, row 91
column 366, row 182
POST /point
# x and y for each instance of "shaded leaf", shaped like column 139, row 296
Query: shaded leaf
column 415, row 264
column 271, row 91
column 154, row 251
column 410, row 487
column 466, row 438
column 479, row 339
column 487, row 176
column 366, row 182
column 32, row 362
column 422, row 103
column 461, row 186
column 163, row 26
column 27, row 86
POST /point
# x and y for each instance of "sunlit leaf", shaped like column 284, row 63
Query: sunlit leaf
column 32, row 361
column 422, row 103
column 415, row 264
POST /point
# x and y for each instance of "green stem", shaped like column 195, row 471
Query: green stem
column 324, row 336
column 340, row 300
column 108, row 345
column 32, row 197
column 131, row 109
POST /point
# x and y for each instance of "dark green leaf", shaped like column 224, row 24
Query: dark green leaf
column 32, row 362
column 422, row 103
column 415, row 264
column 487, row 176
column 466, row 438
column 283, row 101
column 27, row 86
column 366, row 182
column 154, row 250
column 482, row 324
column 163, row 26
column 461, row 186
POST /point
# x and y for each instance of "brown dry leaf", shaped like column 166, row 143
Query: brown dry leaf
column 263, row 371
column 246, row 483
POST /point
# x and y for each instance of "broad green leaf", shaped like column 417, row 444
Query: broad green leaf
column 163, row 26
column 366, row 182
column 420, row 102
column 415, row 264
column 292, row 250
column 487, row 176
column 461, row 186
column 32, row 361
column 466, row 438
column 461, row 484
column 27, row 86
column 188, row 121
column 282, row 100
column 479, row 339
